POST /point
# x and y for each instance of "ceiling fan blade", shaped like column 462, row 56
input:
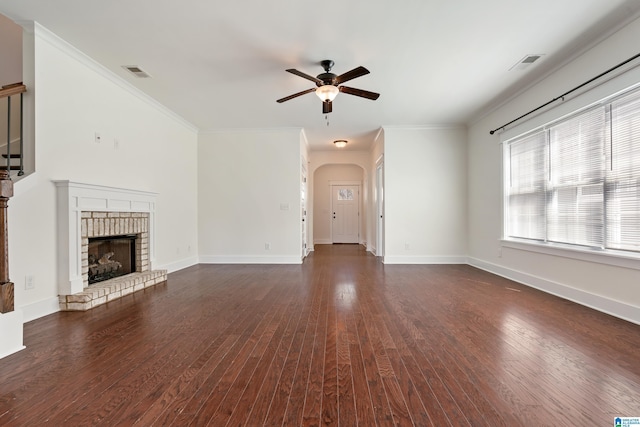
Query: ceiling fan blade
column 326, row 107
column 350, row 75
column 295, row 95
column 305, row 76
column 359, row 92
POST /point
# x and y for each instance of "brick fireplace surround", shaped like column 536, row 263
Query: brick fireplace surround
column 86, row 211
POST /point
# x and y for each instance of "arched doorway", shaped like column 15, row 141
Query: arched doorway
column 339, row 204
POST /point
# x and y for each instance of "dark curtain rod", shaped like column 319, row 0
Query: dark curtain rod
column 566, row 93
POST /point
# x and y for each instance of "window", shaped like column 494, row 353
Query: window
column 577, row 181
column 345, row 194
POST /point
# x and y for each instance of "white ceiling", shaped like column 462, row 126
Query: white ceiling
column 220, row 65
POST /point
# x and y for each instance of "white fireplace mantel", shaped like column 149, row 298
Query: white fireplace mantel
column 72, row 199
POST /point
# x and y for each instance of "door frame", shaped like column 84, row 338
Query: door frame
column 304, row 201
column 379, row 186
column 349, row 184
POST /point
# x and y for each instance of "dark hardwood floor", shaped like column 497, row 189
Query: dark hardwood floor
column 340, row 340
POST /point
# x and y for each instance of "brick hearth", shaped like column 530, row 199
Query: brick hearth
column 109, row 290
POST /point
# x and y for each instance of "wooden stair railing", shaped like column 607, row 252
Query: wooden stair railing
column 6, row 286
column 8, row 91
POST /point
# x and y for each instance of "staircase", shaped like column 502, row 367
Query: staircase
column 11, row 128
column 11, row 124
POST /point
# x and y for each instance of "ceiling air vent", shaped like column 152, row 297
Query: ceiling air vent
column 136, row 71
column 526, row 62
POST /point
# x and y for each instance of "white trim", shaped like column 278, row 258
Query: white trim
column 251, row 130
column 322, row 242
column 345, row 183
column 11, row 327
column 427, row 127
column 249, row 259
column 65, row 47
column 616, row 258
column 446, row 259
column 40, row 309
column 172, row 267
column 615, row 308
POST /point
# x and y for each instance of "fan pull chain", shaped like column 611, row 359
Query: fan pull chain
column 326, row 117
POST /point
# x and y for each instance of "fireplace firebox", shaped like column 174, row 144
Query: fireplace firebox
column 111, row 256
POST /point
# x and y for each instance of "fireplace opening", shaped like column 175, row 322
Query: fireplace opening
column 111, row 257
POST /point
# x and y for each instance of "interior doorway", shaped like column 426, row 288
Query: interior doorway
column 324, row 178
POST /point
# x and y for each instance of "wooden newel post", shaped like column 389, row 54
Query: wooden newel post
column 6, row 287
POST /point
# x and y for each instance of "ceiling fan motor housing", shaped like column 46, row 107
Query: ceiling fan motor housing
column 327, row 79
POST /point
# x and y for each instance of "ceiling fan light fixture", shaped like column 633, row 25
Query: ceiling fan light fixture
column 327, row 92
column 340, row 143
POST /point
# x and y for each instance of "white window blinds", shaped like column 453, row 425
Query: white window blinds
column 577, row 181
column 623, row 179
column 526, row 187
column 575, row 205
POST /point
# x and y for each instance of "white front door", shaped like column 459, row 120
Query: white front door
column 345, row 205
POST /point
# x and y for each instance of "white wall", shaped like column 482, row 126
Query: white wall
column 425, row 195
column 10, row 51
column 613, row 289
column 156, row 152
column 249, row 195
column 322, row 198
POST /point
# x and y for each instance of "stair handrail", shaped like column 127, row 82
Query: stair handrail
column 12, row 89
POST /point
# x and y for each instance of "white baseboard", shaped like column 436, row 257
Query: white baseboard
column 178, row 265
column 615, row 308
column 323, row 242
column 11, row 327
column 249, row 259
column 394, row 259
column 40, row 309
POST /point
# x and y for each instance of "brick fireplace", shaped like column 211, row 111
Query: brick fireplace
column 89, row 211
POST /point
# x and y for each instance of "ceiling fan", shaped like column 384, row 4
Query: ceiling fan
column 329, row 84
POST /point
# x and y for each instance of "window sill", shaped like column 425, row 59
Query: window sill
column 608, row 257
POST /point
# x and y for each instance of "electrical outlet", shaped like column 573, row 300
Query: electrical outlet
column 267, row 246
column 116, row 144
column 407, row 246
column 29, row 283
column 97, row 138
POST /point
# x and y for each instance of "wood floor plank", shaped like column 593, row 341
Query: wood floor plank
column 292, row 400
column 254, row 370
column 311, row 415
column 206, row 400
column 259, row 394
column 340, row 340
